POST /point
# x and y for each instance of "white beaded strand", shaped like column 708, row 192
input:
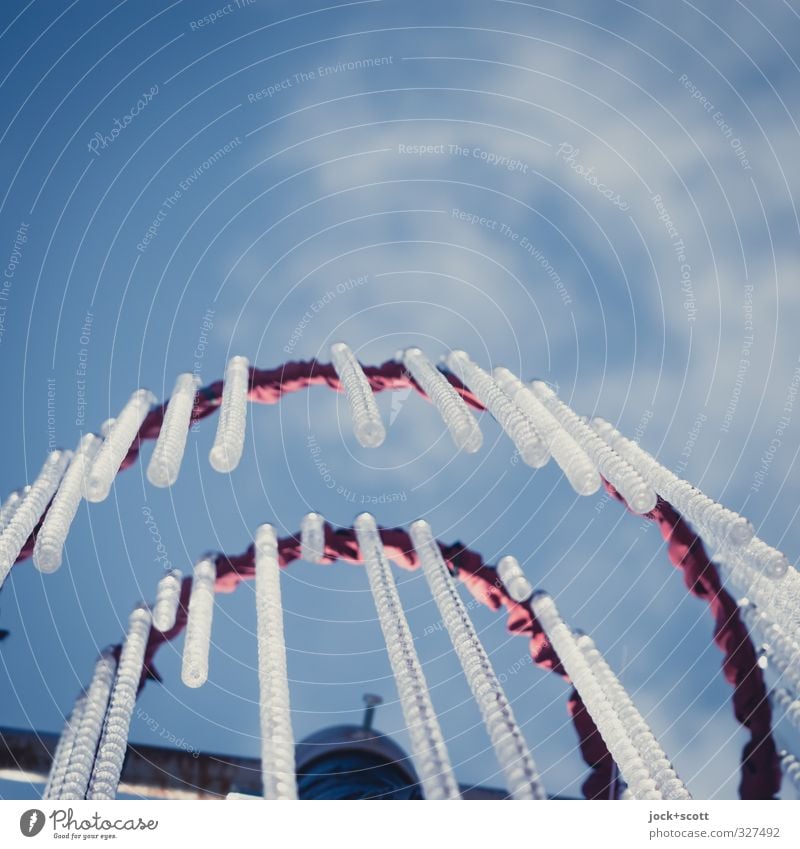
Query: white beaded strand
column 168, row 593
column 114, row 742
column 511, row 750
column 460, row 421
column 31, row 509
column 367, row 425
column 513, row 579
column 639, row 732
column 312, row 538
column 165, row 462
column 515, row 424
column 570, row 457
column 50, row 540
column 117, row 444
column 64, row 748
column 427, row 742
column 278, row 774
column 630, row 763
column 228, row 445
column 640, row 496
column 194, row 671
column 11, row 505
column 82, row 758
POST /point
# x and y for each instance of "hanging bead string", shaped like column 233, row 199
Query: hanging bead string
column 30, row 510
column 114, row 742
column 639, row 733
column 367, row 425
column 82, row 757
column 50, row 539
column 277, row 739
column 229, row 441
column 509, row 744
column 64, row 747
column 168, row 594
column 165, row 462
column 312, row 538
column 630, row 762
column 786, row 706
column 428, row 748
column 516, row 425
column 194, row 672
column 463, row 426
column 11, row 505
column 570, row 457
column 781, row 650
column 117, row 444
column 639, row 495
column 791, row 768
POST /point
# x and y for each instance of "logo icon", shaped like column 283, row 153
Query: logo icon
column 31, row 822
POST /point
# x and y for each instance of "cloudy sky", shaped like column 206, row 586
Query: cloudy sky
column 599, row 195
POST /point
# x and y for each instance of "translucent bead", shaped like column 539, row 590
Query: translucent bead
column 790, row 766
column 30, row 510
column 508, row 742
column 427, row 742
column 81, row 761
column 570, row 457
column 229, row 440
column 64, row 747
column 117, row 444
column 517, row 426
column 367, row 425
column 513, row 578
column 312, row 538
column 277, row 739
column 194, row 672
column 168, row 595
column 165, row 463
column 50, row 539
column 114, row 742
column 639, row 495
column 10, row 506
column 593, row 696
column 462, row 425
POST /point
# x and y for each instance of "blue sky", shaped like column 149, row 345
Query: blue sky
column 626, row 174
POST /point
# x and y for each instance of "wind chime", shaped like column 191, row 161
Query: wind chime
column 614, row 737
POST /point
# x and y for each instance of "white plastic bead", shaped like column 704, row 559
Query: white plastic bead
column 165, row 463
column 30, row 510
column 10, row 506
column 367, row 425
column 639, row 495
column 64, row 747
column 516, row 425
column 82, row 757
column 194, row 672
column 513, row 579
column 277, row 740
column 461, row 423
column 50, row 539
column 117, row 444
column 312, row 538
column 168, row 595
column 512, row 753
column 114, row 743
column 427, row 742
